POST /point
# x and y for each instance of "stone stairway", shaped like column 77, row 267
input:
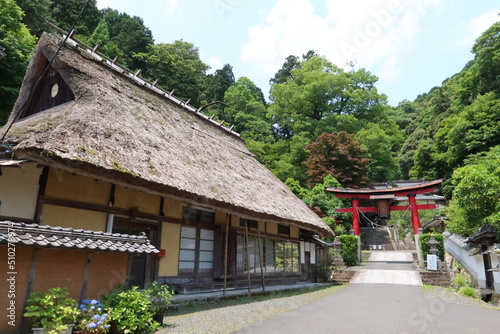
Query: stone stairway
column 388, row 267
column 439, row 278
column 341, row 277
column 375, row 238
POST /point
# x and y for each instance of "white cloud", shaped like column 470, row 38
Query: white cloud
column 214, row 63
column 102, row 4
column 172, row 6
column 373, row 33
column 477, row 25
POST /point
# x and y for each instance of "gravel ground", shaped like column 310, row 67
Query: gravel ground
column 450, row 296
column 223, row 318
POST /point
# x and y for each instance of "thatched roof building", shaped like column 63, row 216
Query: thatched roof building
column 112, row 125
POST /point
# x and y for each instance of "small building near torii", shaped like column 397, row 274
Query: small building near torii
column 385, row 200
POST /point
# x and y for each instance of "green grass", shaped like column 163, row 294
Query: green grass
column 196, row 306
column 429, row 287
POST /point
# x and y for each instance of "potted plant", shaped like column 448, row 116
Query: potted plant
column 160, row 297
column 91, row 318
column 130, row 311
column 52, row 312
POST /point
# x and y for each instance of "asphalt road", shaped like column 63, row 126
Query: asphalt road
column 381, row 308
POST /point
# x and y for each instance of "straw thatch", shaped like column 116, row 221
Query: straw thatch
column 121, row 132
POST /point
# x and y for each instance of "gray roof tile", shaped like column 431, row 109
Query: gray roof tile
column 58, row 237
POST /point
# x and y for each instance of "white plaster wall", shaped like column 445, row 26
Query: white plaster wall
column 18, row 190
column 473, row 264
column 495, row 261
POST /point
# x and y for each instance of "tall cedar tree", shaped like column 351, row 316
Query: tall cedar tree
column 18, row 44
column 338, row 155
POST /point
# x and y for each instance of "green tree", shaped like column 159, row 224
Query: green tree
column 100, row 37
column 339, row 155
column 65, row 12
column 18, row 45
column 177, row 66
column 35, row 14
column 318, row 197
column 475, row 129
column 476, row 194
column 486, row 66
column 218, row 84
column 382, row 149
column 318, row 93
column 291, row 62
column 246, row 111
column 130, row 35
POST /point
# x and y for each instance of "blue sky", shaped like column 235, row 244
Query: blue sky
column 411, row 46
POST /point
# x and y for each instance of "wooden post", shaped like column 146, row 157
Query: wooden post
column 228, row 219
column 86, row 275
column 261, row 262
column 29, row 286
column 414, row 212
column 355, row 215
column 247, row 258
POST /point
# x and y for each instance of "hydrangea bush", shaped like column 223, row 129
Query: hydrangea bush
column 92, row 317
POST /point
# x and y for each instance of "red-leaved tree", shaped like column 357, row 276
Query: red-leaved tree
column 339, row 155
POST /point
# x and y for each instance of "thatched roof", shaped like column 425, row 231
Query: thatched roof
column 133, row 134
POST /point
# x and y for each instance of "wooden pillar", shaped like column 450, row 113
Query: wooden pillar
column 226, row 247
column 355, row 215
column 261, row 261
column 29, row 286
column 247, row 258
column 42, row 182
column 88, row 262
column 415, row 220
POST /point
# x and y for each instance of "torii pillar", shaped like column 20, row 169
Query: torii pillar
column 415, row 221
column 382, row 198
column 355, row 215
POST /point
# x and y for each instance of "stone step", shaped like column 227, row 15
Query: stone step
column 342, row 277
column 439, row 278
column 375, row 239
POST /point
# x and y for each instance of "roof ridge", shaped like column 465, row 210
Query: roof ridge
column 135, row 76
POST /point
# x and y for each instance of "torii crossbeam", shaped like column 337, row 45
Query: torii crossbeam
column 382, row 198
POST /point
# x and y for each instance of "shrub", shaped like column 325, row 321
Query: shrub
column 424, row 238
column 349, row 250
column 159, row 295
column 91, row 317
column 52, row 310
column 131, row 310
column 467, row 291
column 459, row 281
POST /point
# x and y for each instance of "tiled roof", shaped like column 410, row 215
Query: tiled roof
column 457, row 239
column 59, row 237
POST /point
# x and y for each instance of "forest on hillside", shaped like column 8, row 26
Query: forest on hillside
column 319, row 124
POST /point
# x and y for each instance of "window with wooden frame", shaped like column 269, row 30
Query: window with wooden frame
column 196, row 214
column 283, row 229
column 249, row 223
column 287, row 256
column 196, row 255
column 277, row 255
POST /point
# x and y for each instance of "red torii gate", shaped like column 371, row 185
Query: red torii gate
column 382, row 197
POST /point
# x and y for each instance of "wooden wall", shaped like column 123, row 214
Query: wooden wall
column 59, row 268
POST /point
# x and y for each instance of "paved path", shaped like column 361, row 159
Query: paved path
column 388, row 267
column 376, row 307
